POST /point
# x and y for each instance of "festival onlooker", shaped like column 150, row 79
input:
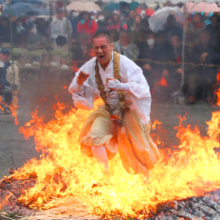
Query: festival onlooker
column 197, row 25
column 101, row 22
column 4, row 30
column 214, row 27
column 9, row 77
column 115, row 22
column 144, row 25
column 130, row 21
column 200, row 83
column 43, row 27
column 19, row 32
column 172, row 27
column 74, row 19
column 82, row 50
column 87, row 25
column 125, row 47
column 34, row 39
column 114, row 35
column 60, row 26
column 136, row 24
column 93, row 15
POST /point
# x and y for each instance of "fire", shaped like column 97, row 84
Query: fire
column 162, row 82
column 74, row 67
column 4, row 107
column 63, row 171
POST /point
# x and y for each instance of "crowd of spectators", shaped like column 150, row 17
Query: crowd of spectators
column 160, row 54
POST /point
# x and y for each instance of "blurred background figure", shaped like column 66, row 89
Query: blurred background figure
column 87, row 25
column 4, row 30
column 125, row 47
column 74, row 19
column 101, row 22
column 9, row 79
column 114, row 22
column 60, row 26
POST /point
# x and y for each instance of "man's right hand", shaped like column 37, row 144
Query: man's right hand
column 82, row 77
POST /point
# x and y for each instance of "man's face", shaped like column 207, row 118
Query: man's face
column 60, row 15
column 131, row 14
column 124, row 39
column 86, row 16
column 204, row 38
column 4, row 57
column 196, row 18
column 103, row 50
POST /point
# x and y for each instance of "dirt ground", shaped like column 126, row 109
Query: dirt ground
column 35, row 86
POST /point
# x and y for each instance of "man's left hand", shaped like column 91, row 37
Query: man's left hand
column 113, row 84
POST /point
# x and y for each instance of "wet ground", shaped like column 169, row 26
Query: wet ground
column 15, row 150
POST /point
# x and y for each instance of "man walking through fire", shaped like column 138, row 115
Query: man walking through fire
column 123, row 123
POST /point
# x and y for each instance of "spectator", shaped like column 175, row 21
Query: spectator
column 214, row 28
column 202, row 80
column 102, row 24
column 130, row 21
column 136, row 25
column 87, row 25
column 172, row 27
column 34, row 39
column 197, row 25
column 82, row 50
column 4, row 30
column 60, row 26
column 74, row 19
column 93, row 15
column 19, row 32
column 43, row 27
column 141, row 41
column 115, row 22
column 114, row 35
column 9, row 79
column 144, row 25
column 151, row 50
column 125, row 47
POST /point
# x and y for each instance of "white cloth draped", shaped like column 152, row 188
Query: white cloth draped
column 139, row 95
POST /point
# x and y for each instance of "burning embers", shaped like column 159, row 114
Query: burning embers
column 191, row 170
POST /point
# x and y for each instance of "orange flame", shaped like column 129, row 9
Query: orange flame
column 64, row 171
column 155, row 124
column 218, row 90
column 162, row 82
column 74, row 67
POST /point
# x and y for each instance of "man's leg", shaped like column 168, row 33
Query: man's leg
column 101, row 156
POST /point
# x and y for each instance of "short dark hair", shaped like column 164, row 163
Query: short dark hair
column 104, row 33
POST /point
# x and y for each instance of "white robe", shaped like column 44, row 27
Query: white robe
column 131, row 74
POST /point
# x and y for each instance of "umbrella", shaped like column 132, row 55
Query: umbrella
column 25, row 8
column 26, row 1
column 17, row 9
column 111, row 6
column 201, row 7
column 158, row 20
column 83, row 6
column 41, row 11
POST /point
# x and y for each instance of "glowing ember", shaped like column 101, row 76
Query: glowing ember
column 162, row 82
column 63, row 171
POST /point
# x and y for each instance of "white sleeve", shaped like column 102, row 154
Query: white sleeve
column 134, row 79
column 75, row 87
column 83, row 95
